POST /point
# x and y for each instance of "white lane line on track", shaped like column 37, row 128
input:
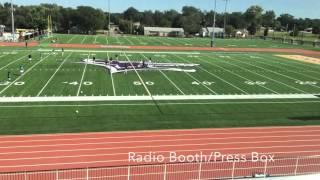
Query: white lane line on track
column 144, row 152
column 171, row 140
column 163, row 145
column 126, row 160
column 183, row 150
column 96, row 99
column 270, row 129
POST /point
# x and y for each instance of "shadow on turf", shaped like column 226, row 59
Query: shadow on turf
column 305, row 118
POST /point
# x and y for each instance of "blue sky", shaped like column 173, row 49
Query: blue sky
column 298, row 8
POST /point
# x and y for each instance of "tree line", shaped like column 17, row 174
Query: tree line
column 85, row 19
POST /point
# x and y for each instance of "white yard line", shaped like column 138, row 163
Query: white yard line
column 107, row 40
column 176, row 86
column 71, row 39
column 82, row 77
column 141, row 42
column 118, row 41
column 236, row 74
column 300, row 63
column 217, row 77
column 278, row 82
column 196, row 80
column 161, row 41
column 4, row 89
column 298, row 66
column 53, row 75
column 85, row 37
column 275, row 73
column 13, row 62
column 128, row 40
column 271, row 63
column 112, row 81
column 147, row 98
column 95, row 39
column 141, row 80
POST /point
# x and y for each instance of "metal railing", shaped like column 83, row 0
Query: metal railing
column 180, row 171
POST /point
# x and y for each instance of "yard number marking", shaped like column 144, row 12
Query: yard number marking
column 75, row 83
column 252, row 83
column 138, row 83
column 19, row 83
column 307, row 82
column 207, row 83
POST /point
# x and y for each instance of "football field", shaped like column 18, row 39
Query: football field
column 129, row 40
column 60, row 94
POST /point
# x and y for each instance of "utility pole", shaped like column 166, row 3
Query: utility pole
column 225, row 18
column 214, row 23
column 109, row 27
column 12, row 22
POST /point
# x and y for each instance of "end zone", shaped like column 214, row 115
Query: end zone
column 306, row 59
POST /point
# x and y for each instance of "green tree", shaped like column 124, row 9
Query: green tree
column 229, row 30
column 191, row 19
column 253, row 16
column 266, row 32
column 286, row 20
column 132, row 14
column 237, row 20
column 268, row 19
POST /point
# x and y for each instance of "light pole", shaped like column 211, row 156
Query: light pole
column 12, row 22
column 214, row 23
column 109, row 17
column 225, row 18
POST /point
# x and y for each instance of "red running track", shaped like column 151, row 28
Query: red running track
column 66, row 151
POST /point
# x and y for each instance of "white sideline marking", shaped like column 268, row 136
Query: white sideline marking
column 43, row 88
column 148, row 98
column 131, row 52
